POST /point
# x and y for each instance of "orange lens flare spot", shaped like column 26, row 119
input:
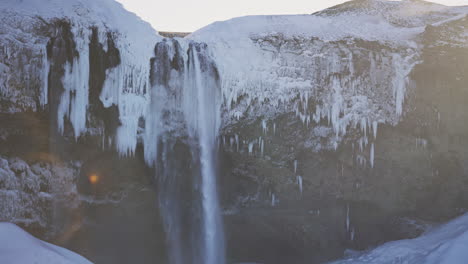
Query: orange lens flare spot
column 93, row 179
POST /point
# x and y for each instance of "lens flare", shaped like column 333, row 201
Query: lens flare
column 93, row 179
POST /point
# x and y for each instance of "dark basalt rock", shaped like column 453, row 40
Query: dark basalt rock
column 100, row 61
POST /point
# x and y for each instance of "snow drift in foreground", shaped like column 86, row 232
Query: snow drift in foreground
column 19, row 247
column 445, row 244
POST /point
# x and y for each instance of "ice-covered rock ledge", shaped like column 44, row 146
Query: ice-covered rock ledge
column 348, row 66
column 19, row 247
column 46, row 59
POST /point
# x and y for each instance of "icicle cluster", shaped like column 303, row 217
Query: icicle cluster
column 74, row 101
column 346, row 84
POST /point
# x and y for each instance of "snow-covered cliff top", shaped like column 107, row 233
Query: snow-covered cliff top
column 374, row 20
column 108, row 12
column 104, row 14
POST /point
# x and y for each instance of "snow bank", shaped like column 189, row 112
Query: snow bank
column 19, row 247
column 446, row 244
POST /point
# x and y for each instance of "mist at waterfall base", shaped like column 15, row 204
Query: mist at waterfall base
column 184, row 104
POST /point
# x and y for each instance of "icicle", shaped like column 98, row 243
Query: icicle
column 262, row 146
column 237, row 115
column 264, row 126
column 352, row 234
column 299, row 182
column 274, row 128
column 372, row 156
column 374, row 128
column 317, row 116
column 364, row 126
column 45, row 78
column 231, row 142
column 438, row 119
column 273, row 200
column 347, row 217
column 237, row 142
column 361, row 160
column 251, row 145
column 131, row 108
column 74, row 101
column 403, row 67
column 295, row 166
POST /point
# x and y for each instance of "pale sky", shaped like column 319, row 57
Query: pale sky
column 190, row 15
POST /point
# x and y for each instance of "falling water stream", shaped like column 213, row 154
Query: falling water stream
column 184, row 97
column 203, row 113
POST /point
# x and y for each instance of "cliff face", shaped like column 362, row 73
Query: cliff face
column 324, row 131
column 414, row 168
column 332, row 129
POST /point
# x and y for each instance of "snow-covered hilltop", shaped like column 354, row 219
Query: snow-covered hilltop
column 406, row 13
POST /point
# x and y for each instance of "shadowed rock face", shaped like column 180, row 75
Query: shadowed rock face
column 101, row 60
column 289, row 201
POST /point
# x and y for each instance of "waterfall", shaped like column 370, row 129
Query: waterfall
column 180, row 142
column 202, row 112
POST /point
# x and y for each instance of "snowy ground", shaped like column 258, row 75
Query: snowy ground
column 19, row 247
column 447, row 243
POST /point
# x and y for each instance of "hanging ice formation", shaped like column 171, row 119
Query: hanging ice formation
column 349, row 82
column 74, row 100
column 347, row 218
column 299, row 182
